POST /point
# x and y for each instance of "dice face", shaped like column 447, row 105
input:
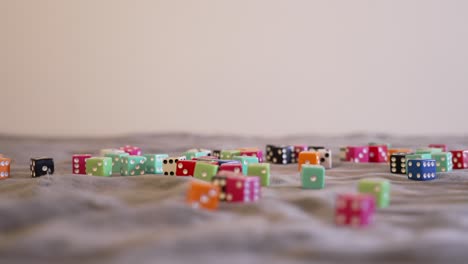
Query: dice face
column 378, row 188
column 378, row 154
column 261, row 170
column 296, row 150
column 279, row 154
column 357, row 154
column 245, row 161
column 232, row 167
column 79, row 163
column 229, row 154
column 398, row 163
column 220, row 181
column 117, row 160
column 41, row 166
column 170, row 165
column 443, row 161
column 132, row 150
column 205, row 171
column 4, row 167
column 421, row 169
column 242, row 189
column 253, row 153
column 133, row 165
column 99, row 166
column 325, row 158
column 356, row 210
column 313, row 176
column 203, row 195
column 459, row 159
column 154, row 163
column 308, row 157
column 216, row 153
column 443, row 147
column 185, row 167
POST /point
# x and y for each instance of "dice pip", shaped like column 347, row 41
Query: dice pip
column 42, row 166
column 398, row 163
column 79, row 163
column 460, row 159
column 133, row 165
column 242, row 189
column 117, row 160
column 378, row 153
column 325, row 158
column 356, row 210
column 421, row 169
column 357, row 154
column 99, row 166
column 185, row 167
column 313, row 176
column 170, row 165
column 379, row 188
column 279, row 154
column 4, row 167
column 205, row 171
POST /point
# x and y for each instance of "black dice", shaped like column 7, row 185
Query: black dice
column 398, row 163
column 41, row 166
column 220, row 181
column 216, row 153
column 279, row 154
column 315, row 148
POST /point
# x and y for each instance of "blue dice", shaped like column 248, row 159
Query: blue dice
column 421, row 169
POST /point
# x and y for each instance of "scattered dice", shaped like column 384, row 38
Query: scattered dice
column 133, row 165
column 398, row 163
column 308, row 157
column 379, row 188
column 203, row 195
column 99, row 166
column 4, row 167
column 421, row 169
column 132, row 150
column 261, row 170
column 460, row 159
column 79, row 163
column 205, row 171
column 357, row 154
column 170, row 165
column 117, row 160
column 42, row 166
column 185, row 167
column 279, row 154
column 378, row 153
column 356, row 210
column 312, row 176
column 443, row 161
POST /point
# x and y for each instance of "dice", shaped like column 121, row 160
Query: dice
column 229, row 154
column 133, row 165
column 443, row 147
column 261, row 170
column 313, row 176
column 428, row 150
column 460, row 159
column 79, row 163
column 242, row 189
column 205, row 171
column 195, row 153
column 216, row 153
column 99, row 166
column 220, row 181
column 245, row 161
column 42, row 166
column 378, row 153
column 308, row 157
column 357, row 154
column 170, row 165
column 117, row 160
column 131, row 150
column 418, row 156
column 103, row 152
column 325, row 156
column 355, row 210
column 398, row 163
column 203, row 195
column 379, row 188
column 421, row 169
column 296, row 150
column 232, row 167
column 315, row 148
column 443, row 161
column 4, row 167
column 185, row 167
column 279, row 154
column 154, row 163
column 253, row 153
column 342, row 154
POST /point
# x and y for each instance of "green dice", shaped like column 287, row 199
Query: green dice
column 116, row 160
column 428, row 150
column 229, row 154
column 99, row 166
column 154, row 163
column 312, row 176
column 205, row 171
column 245, row 161
column 261, row 170
column 195, row 154
column 443, row 161
column 379, row 188
column 133, row 165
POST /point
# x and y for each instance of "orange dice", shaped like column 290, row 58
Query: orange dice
column 4, row 167
column 308, row 157
column 203, row 195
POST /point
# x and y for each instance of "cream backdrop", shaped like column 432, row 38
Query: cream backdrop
column 100, row 67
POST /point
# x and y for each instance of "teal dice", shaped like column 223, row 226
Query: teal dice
column 99, row 166
column 379, row 188
column 428, row 150
column 116, row 160
column 245, row 161
column 312, row 176
column 261, row 170
column 133, row 165
column 444, row 161
column 154, row 163
column 205, row 171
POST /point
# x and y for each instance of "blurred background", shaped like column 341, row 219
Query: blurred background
column 256, row 67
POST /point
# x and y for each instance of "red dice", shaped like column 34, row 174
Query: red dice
column 253, row 153
column 460, row 159
column 378, row 153
column 441, row 146
column 233, row 167
column 242, row 189
column 355, row 210
column 131, row 150
column 185, row 167
column 296, row 150
column 79, row 163
column 357, row 154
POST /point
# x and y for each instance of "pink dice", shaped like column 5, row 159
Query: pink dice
column 233, row 167
column 185, row 167
column 255, row 153
column 296, row 150
column 441, row 146
column 79, row 163
column 378, row 154
column 460, row 159
column 355, row 210
column 242, row 189
column 357, row 154
column 131, row 150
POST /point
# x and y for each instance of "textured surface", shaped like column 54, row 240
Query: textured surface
column 86, row 219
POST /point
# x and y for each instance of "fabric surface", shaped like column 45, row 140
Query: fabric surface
column 68, row 218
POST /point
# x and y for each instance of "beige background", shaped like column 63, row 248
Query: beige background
column 256, row 67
